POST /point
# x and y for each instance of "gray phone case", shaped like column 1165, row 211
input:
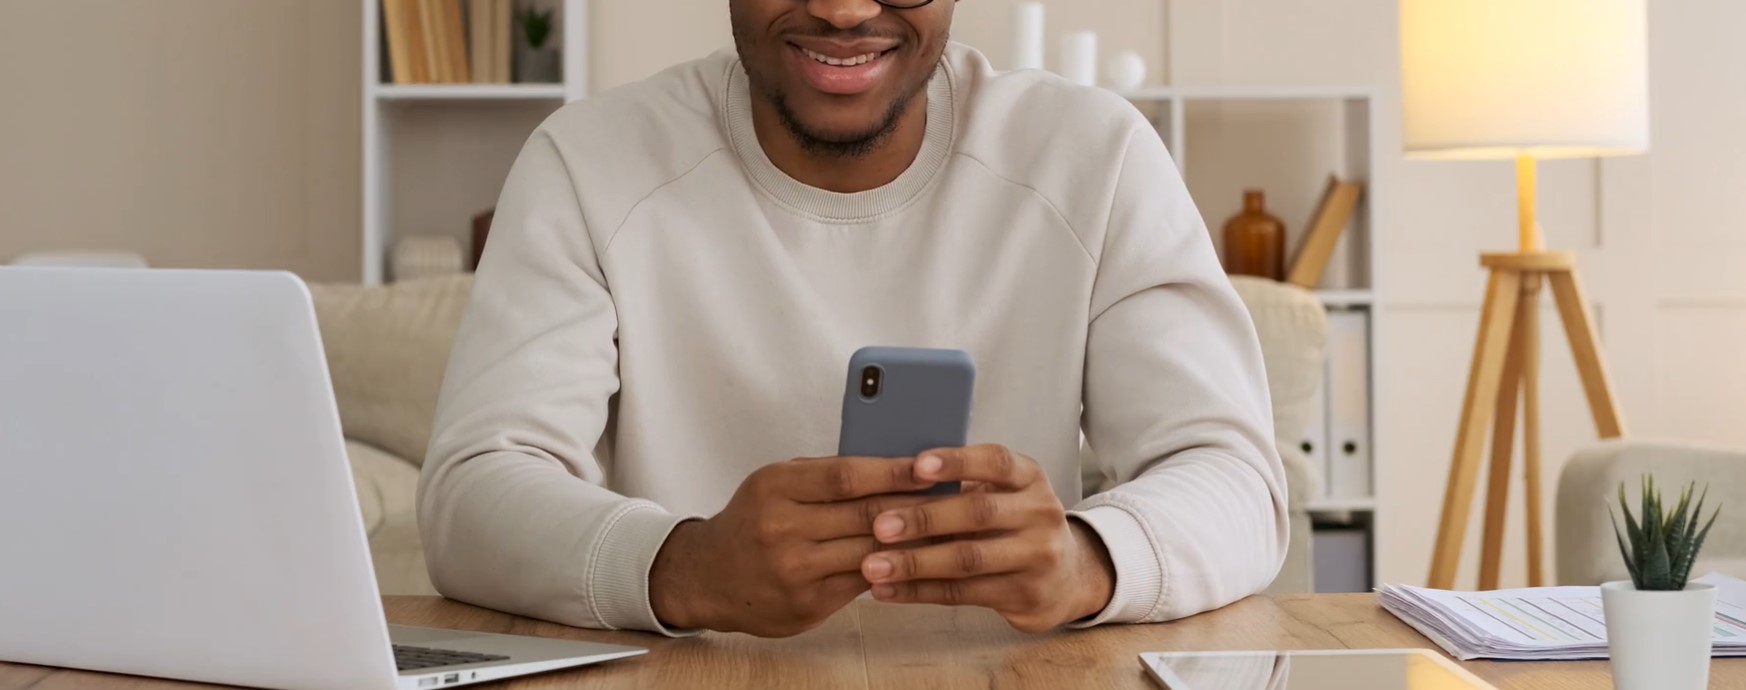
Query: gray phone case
column 923, row 403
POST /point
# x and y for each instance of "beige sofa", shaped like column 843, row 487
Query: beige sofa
column 387, row 347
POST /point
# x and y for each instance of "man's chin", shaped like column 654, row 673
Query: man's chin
column 842, row 134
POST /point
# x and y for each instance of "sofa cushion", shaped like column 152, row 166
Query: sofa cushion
column 1292, row 326
column 387, row 348
column 387, row 485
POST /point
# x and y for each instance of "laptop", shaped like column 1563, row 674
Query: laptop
column 175, row 499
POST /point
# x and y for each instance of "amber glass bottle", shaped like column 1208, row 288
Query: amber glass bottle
column 1255, row 240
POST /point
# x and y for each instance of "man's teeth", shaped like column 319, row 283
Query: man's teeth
column 841, row 62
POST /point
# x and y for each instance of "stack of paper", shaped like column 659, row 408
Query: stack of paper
column 1541, row 622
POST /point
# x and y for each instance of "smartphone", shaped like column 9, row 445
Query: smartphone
column 900, row 401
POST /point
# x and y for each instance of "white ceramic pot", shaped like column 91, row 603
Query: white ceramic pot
column 1659, row 640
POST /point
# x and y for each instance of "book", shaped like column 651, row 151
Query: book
column 1333, row 212
column 454, row 41
column 478, row 40
column 503, row 40
column 403, row 25
column 394, row 30
column 430, row 20
column 1541, row 623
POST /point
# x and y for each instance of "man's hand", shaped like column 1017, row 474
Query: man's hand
column 1015, row 550
column 785, row 553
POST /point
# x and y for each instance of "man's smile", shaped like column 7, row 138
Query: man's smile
column 843, row 68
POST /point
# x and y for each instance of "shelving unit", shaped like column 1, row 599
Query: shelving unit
column 1286, row 141
column 410, row 130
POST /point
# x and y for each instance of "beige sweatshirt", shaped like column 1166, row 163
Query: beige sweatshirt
column 661, row 310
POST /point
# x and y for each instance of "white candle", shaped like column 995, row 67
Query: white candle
column 1079, row 57
column 1027, row 36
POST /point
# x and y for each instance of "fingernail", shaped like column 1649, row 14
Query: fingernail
column 883, row 591
column 928, row 465
column 888, row 526
column 878, row 568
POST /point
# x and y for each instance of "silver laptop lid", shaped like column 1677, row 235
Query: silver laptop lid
column 174, row 495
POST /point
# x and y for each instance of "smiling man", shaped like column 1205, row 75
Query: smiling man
column 637, row 425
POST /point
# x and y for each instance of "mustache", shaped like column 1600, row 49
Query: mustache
column 826, row 31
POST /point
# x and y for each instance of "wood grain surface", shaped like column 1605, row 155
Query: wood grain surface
column 875, row 645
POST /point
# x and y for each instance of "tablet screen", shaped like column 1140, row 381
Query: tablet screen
column 1337, row 670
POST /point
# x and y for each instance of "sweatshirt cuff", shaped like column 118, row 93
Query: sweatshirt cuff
column 618, row 584
column 1139, row 579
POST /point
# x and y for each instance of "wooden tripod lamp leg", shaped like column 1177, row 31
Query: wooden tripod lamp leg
column 1528, row 339
column 1503, row 445
column 1584, row 345
column 1501, row 296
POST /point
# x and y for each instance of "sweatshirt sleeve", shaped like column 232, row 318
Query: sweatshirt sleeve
column 512, row 506
column 1176, row 410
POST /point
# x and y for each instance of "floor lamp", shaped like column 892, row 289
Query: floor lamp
column 1521, row 80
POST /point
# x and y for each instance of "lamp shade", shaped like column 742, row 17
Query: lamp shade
column 1506, row 78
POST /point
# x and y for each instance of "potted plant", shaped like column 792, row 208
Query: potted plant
column 536, row 62
column 1658, row 624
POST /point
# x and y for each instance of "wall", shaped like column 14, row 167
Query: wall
column 195, row 132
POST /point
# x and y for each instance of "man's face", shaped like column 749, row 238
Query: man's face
column 839, row 73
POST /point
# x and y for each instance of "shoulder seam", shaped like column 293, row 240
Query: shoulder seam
column 1077, row 240
column 607, row 246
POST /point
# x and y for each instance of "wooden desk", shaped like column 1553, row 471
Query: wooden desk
column 874, row 645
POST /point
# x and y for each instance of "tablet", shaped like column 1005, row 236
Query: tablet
column 1343, row 669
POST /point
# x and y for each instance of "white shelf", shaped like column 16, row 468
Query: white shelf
column 1245, row 93
column 415, row 119
column 468, row 92
column 1335, row 505
column 1346, row 298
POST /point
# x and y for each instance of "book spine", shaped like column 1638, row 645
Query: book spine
column 455, row 40
column 430, row 21
column 478, row 27
column 394, row 32
column 1333, row 214
column 504, row 39
column 419, row 46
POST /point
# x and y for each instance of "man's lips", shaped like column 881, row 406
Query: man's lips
column 843, row 69
column 844, row 49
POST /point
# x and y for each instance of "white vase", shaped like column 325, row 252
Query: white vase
column 1659, row 640
column 1127, row 71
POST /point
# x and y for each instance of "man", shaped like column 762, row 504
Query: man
column 680, row 269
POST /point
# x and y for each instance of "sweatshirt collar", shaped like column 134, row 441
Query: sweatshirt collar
column 835, row 207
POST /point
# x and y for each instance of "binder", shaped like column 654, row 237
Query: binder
column 1314, row 442
column 1348, row 386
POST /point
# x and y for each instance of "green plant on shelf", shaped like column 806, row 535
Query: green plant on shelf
column 1664, row 544
column 536, row 25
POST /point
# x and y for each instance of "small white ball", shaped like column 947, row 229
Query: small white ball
column 1127, row 71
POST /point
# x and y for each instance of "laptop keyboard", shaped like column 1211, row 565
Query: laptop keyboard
column 415, row 658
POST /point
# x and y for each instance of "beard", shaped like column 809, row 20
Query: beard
column 838, row 145
column 843, row 145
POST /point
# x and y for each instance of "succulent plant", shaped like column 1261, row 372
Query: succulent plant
column 1663, row 545
column 537, row 24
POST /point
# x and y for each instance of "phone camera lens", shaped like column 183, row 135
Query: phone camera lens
column 870, row 380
